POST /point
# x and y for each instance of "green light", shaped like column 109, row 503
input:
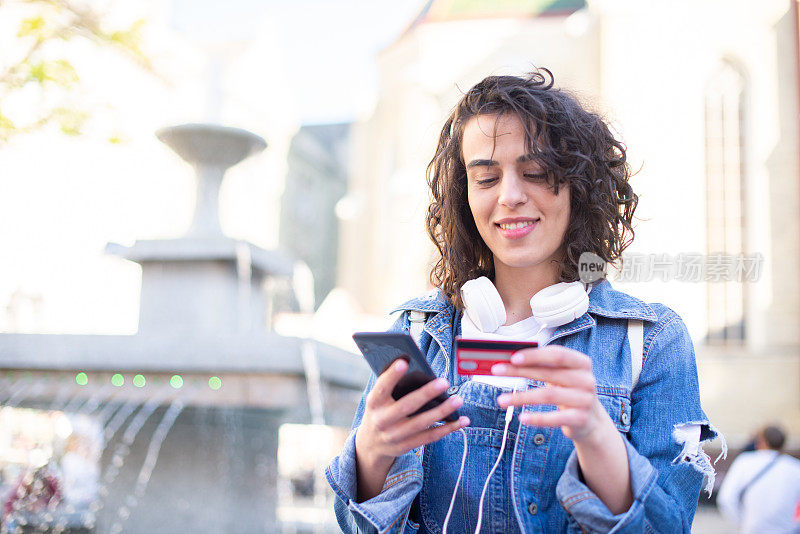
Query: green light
column 81, row 379
column 176, row 381
column 117, row 380
column 139, row 381
column 214, row 383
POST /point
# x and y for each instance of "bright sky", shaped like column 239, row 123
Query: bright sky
column 329, row 46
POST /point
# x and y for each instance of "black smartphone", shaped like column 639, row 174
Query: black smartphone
column 381, row 349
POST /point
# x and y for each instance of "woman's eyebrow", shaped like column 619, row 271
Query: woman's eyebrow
column 482, row 163
column 491, row 163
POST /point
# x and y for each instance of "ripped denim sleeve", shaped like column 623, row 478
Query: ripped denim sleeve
column 692, row 436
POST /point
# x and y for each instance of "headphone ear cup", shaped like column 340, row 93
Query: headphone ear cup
column 483, row 304
column 560, row 304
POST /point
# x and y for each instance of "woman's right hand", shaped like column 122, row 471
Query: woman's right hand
column 388, row 429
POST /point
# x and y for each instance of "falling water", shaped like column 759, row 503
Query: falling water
column 110, row 409
column 61, row 397
column 15, row 387
column 118, row 420
column 113, row 417
column 8, row 388
column 123, row 449
column 22, row 393
column 78, row 405
column 149, row 464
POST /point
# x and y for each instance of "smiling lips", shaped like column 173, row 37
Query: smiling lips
column 515, row 229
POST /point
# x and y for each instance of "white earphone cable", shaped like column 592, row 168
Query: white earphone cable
column 458, row 482
column 509, row 417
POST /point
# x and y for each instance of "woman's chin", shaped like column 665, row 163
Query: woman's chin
column 516, row 262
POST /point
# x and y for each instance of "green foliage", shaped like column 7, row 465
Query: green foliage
column 43, row 63
column 32, row 26
column 60, row 72
column 70, row 121
column 7, row 127
column 128, row 38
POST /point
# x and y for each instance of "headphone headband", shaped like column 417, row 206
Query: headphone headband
column 553, row 306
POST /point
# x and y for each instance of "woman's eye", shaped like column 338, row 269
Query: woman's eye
column 485, row 181
column 536, row 176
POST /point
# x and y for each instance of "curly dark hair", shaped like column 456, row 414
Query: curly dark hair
column 574, row 146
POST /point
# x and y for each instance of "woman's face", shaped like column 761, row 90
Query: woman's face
column 518, row 215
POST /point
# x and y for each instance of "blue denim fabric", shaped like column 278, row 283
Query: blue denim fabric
column 537, row 487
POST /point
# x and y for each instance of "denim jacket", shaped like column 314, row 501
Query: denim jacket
column 538, row 486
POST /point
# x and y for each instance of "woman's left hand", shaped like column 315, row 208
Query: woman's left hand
column 570, row 385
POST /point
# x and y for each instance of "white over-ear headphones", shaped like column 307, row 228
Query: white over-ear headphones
column 553, row 306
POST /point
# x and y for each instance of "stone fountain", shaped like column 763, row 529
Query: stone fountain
column 198, row 452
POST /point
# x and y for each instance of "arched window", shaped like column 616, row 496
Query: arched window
column 725, row 214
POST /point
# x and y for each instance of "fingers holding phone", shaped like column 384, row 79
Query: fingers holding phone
column 402, row 410
column 391, row 427
column 413, row 419
column 381, row 393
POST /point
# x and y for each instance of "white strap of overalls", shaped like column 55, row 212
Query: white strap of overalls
column 417, row 323
column 636, row 342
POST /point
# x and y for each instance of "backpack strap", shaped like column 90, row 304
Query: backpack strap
column 416, row 324
column 636, row 342
column 758, row 476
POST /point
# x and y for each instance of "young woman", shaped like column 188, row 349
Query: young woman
column 524, row 181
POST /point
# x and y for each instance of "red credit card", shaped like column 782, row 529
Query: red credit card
column 477, row 356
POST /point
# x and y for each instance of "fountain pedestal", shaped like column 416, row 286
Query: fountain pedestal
column 203, row 284
column 205, row 281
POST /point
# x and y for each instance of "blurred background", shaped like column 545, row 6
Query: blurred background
column 201, row 201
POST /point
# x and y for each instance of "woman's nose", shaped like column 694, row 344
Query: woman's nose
column 512, row 191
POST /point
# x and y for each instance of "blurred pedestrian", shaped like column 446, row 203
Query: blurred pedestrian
column 761, row 490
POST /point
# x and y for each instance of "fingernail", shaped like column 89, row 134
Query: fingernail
column 456, row 401
column 503, row 399
column 442, row 384
column 463, row 421
column 517, row 358
column 499, row 369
